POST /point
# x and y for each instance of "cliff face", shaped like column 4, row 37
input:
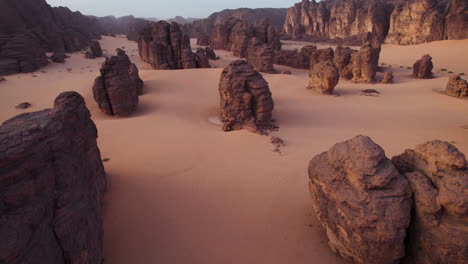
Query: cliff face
column 398, row 22
column 337, row 20
column 28, row 28
column 255, row 17
column 419, row 21
column 52, row 183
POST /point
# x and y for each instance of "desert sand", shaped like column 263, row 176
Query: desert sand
column 182, row 191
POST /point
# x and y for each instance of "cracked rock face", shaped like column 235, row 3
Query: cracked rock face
column 260, row 56
column 422, row 69
column 363, row 64
column 116, row 89
column 388, row 77
column 294, row 58
column 457, row 87
column 438, row 174
column 246, row 101
column 342, row 56
column 52, row 183
column 362, row 201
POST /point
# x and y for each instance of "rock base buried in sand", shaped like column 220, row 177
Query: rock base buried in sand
column 116, row 89
column 370, row 92
column 388, row 77
column 362, row 201
column 246, row 101
column 52, row 186
column 438, row 174
column 324, row 77
column 363, row 64
column 23, row 105
column 457, row 87
column 422, row 69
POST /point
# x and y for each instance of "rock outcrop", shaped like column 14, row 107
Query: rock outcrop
column 363, row 65
column 29, row 28
column 210, row 54
column 116, row 89
column 324, row 76
column 166, row 47
column 58, row 57
column 294, row 58
column 135, row 76
column 246, row 101
column 342, row 56
column 339, row 21
column 321, row 55
column 438, row 174
column 388, row 77
column 422, row 69
column 96, row 49
column 419, row 21
column 52, row 183
column 457, row 87
column 260, row 56
column 362, row 201
column 202, row 59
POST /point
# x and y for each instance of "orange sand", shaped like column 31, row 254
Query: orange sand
column 183, row 191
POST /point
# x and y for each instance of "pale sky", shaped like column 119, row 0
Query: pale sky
column 164, row 9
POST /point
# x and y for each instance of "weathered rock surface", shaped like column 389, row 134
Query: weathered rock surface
column 339, row 21
column 246, row 101
column 363, row 65
column 21, row 53
column 165, row 47
column 294, row 58
column 324, row 76
column 203, row 39
column 52, row 183
column 96, row 49
column 457, row 87
column 135, row 76
column 210, row 54
column 260, row 56
column 342, row 56
column 321, row 55
column 58, row 57
column 202, row 59
column 116, row 89
column 422, row 69
column 438, row 175
column 388, row 77
column 419, row 21
column 362, row 201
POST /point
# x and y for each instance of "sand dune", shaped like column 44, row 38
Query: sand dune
column 183, row 191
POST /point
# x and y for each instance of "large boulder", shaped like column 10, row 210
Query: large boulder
column 388, row 77
column 52, row 183
column 166, row 47
column 422, row 69
column 260, row 56
column 135, row 76
column 438, row 174
column 362, row 201
column 321, row 55
column 210, row 54
column 202, row 59
column 457, row 87
column 294, row 58
column 96, row 49
column 324, row 76
column 342, row 56
column 116, row 89
column 363, row 64
column 246, row 100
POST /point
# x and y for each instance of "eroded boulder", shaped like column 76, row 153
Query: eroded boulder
column 422, row 69
column 363, row 64
column 260, row 56
column 324, row 76
column 246, row 101
column 52, row 183
column 438, row 174
column 388, row 77
column 457, row 87
column 362, row 201
column 96, row 49
column 210, row 54
column 116, row 89
column 342, row 56
column 202, row 59
column 320, row 55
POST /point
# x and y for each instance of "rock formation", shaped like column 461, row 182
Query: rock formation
column 438, row 173
column 135, row 76
column 96, row 49
column 294, row 58
column 342, row 56
column 362, row 201
column 260, row 56
column 340, row 21
column 52, row 183
column 203, row 39
column 422, row 69
column 202, row 59
column 320, row 55
column 324, row 76
column 116, row 89
column 165, row 47
column 457, row 87
column 419, row 21
column 363, row 64
column 388, row 77
column 398, row 22
column 21, row 53
column 58, row 57
column 246, row 100
column 210, row 54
